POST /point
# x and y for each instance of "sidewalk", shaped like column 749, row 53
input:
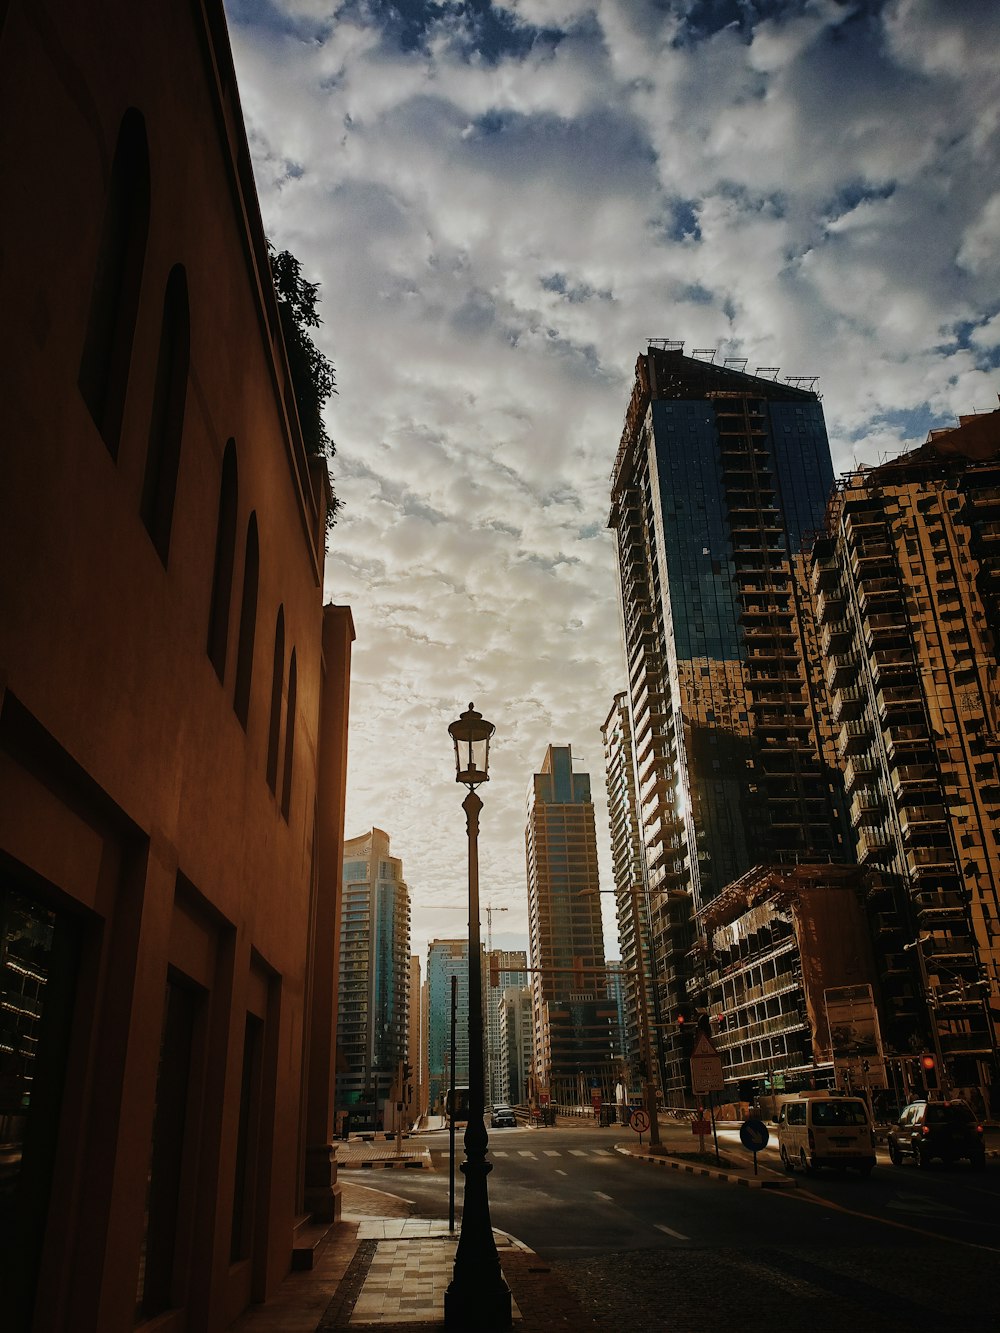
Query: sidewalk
column 382, row 1268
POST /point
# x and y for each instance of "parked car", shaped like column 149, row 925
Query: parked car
column 825, row 1129
column 946, row 1129
column 503, row 1118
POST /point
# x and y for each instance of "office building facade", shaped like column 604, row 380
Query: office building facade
column 907, row 587
column 570, row 1008
column 373, row 1015
column 719, row 479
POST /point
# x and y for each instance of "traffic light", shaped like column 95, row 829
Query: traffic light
column 928, row 1066
column 680, row 1019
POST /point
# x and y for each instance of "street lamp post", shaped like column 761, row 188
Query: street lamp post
column 477, row 1298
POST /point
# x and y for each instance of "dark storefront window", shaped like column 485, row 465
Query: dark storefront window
column 38, row 966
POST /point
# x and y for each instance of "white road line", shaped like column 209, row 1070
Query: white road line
column 525, row 1152
column 494, row 1153
column 602, row 1152
column 577, row 1152
column 559, row 1171
column 552, row 1152
column 601, row 1195
column 677, row 1235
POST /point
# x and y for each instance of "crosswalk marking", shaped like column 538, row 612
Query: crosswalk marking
column 494, row 1153
column 525, row 1152
column 552, row 1152
column 578, row 1152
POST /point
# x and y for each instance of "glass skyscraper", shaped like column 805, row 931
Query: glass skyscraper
column 720, row 480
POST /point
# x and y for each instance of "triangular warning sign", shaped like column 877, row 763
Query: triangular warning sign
column 703, row 1046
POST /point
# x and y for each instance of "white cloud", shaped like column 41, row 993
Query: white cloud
column 496, row 236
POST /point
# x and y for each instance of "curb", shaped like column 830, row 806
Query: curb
column 714, row 1173
column 413, row 1163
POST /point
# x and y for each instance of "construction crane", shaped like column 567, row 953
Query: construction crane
column 456, row 907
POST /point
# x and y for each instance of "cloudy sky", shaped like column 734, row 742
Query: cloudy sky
column 502, row 203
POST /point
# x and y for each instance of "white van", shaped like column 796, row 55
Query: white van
column 825, row 1129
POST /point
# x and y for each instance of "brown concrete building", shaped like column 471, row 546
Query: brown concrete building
column 907, row 586
column 173, row 696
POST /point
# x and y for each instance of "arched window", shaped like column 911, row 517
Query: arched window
column 167, row 419
column 286, row 777
column 274, row 728
column 225, row 553
column 248, row 625
column 114, row 300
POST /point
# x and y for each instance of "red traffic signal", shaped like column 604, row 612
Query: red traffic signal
column 928, row 1062
column 928, row 1065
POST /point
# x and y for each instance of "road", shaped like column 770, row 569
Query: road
column 657, row 1249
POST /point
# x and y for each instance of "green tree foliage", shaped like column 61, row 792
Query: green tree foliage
column 313, row 376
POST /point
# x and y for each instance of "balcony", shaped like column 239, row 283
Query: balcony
column 847, row 703
column 938, row 905
column 840, row 669
column 891, row 700
column 912, row 779
column 834, row 638
column 923, row 819
column 829, row 606
column 907, row 743
column 878, row 596
column 854, row 737
column 951, row 946
column 857, row 770
column 881, row 628
column 867, row 807
column 825, row 574
column 873, row 843
column 889, row 664
column 926, row 862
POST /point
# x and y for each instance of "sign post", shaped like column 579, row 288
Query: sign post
column 707, row 1076
column 640, row 1122
column 754, row 1135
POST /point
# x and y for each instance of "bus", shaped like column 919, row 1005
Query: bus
column 456, row 1104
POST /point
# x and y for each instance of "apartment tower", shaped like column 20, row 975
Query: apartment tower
column 572, row 1017
column 907, row 586
column 373, row 1019
column 719, row 479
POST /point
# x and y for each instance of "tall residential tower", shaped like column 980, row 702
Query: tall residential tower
column 907, row 583
column 719, row 479
column 372, row 1023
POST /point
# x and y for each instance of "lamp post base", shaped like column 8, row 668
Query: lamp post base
column 478, row 1299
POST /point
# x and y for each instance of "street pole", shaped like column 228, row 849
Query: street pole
column 478, row 1297
column 451, row 1110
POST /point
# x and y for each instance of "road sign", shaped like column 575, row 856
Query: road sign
column 706, row 1066
column 704, row 1046
column 754, row 1134
column 639, row 1120
column 701, row 1127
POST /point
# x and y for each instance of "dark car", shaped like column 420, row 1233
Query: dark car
column 946, row 1129
column 503, row 1118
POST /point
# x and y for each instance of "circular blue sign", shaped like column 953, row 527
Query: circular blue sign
column 753, row 1134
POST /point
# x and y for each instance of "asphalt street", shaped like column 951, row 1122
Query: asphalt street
column 683, row 1253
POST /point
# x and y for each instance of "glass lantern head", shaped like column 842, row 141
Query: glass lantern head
column 471, row 734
